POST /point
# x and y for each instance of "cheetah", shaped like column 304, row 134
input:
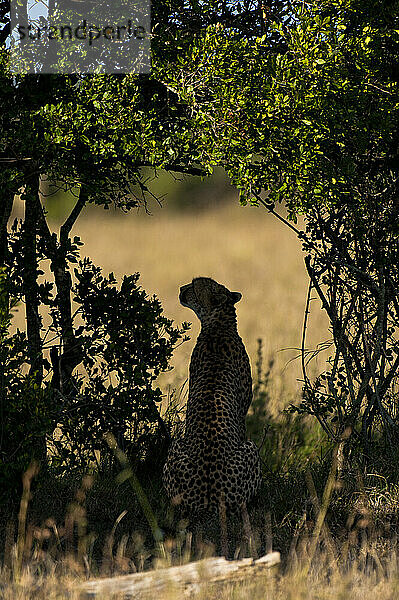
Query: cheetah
column 213, row 466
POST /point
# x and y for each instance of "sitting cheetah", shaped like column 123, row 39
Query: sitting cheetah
column 213, row 466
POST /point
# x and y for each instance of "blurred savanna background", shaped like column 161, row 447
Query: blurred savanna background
column 198, row 228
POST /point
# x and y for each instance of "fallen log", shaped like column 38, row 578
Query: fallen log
column 184, row 578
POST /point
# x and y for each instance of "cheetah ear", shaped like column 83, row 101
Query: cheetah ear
column 235, row 296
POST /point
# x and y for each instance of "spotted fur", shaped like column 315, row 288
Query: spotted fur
column 214, row 462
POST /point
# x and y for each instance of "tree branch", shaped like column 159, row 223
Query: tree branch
column 65, row 229
column 337, row 329
column 176, row 168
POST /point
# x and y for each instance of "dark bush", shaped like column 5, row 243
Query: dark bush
column 126, row 342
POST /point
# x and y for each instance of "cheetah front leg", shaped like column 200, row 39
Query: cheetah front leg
column 248, row 531
column 223, row 527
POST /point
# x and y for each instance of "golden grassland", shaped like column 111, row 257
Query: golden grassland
column 245, row 248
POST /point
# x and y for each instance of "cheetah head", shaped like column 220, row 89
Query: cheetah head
column 205, row 296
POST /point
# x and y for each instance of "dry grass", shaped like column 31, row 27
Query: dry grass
column 351, row 585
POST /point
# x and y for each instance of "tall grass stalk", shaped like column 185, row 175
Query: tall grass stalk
column 128, row 474
column 27, row 478
column 325, row 503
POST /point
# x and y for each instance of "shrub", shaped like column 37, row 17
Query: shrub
column 126, row 343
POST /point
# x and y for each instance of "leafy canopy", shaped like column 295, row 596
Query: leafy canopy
column 313, row 123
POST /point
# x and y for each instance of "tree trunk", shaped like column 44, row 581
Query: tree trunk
column 71, row 355
column 5, row 212
column 30, row 286
column 32, row 299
